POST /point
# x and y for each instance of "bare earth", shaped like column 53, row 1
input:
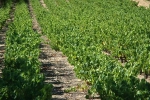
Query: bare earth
column 144, row 3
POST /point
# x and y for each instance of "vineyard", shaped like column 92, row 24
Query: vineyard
column 107, row 42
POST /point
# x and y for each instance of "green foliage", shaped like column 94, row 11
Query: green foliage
column 21, row 77
column 97, row 35
column 4, row 13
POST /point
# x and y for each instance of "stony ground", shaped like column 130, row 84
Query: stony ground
column 60, row 73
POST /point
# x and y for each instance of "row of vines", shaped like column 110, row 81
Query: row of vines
column 107, row 41
column 4, row 13
column 21, row 78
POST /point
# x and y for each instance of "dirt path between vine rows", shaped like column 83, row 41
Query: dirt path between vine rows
column 144, row 3
column 57, row 70
column 3, row 31
column 43, row 4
